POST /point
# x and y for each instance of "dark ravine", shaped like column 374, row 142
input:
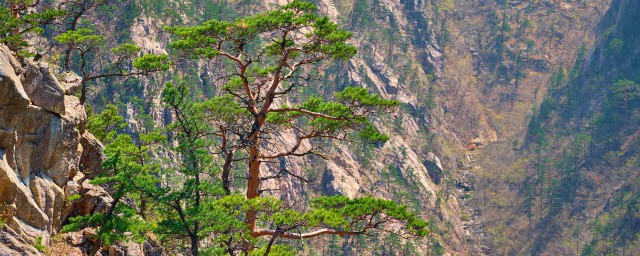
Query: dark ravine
column 599, row 213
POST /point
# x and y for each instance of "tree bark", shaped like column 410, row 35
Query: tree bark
column 194, row 245
column 253, row 186
column 226, row 171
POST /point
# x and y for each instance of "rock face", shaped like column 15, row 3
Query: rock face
column 70, row 82
column 92, row 156
column 85, row 242
column 43, row 88
column 9, row 70
column 40, row 135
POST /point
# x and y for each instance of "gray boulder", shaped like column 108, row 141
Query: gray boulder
column 43, row 88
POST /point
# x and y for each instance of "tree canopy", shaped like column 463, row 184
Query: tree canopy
column 269, row 58
column 19, row 23
column 127, row 61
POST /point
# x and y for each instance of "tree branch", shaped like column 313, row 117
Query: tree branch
column 309, row 113
column 298, row 236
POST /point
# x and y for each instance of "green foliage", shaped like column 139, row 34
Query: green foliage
column 436, row 247
column 505, row 27
column 126, row 175
column 626, row 90
column 38, row 244
column 363, row 98
column 87, row 45
column 87, row 40
column 106, row 124
column 558, row 78
column 372, row 135
column 83, row 39
column 338, row 211
column 125, row 49
column 221, row 108
column 588, row 250
column 18, row 23
column 126, row 226
column 268, row 63
column 191, row 207
column 324, row 37
column 74, row 197
column 152, row 62
column 431, row 99
column 341, row 114
column 615, row 45
column 188, row 201
column 275, row 250
column 361, row 14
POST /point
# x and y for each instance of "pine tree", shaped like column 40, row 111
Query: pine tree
column 18, row 22
column 128, row 176
column 86, row 43
column 627, row 90
column 271, row 53
column 190, row 199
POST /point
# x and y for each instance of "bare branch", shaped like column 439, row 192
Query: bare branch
column 285, row 171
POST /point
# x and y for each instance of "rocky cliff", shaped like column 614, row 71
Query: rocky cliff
column 571, row 188
column 43, row 142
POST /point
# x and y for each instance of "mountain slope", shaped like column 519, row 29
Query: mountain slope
column 570, row 189
column 510, row 131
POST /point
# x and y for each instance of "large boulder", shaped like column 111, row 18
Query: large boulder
column 128, row 248
column 76, row 243
column 12, row 92
column 50, row 198
column 95, row 199
column 89, row 198
column 9, row 59
column 43, row 88
column 85, row 242
column 75, row 113
column 92, row 155
column 39, row 142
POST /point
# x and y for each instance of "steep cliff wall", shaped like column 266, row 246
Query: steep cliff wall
column 42, row 140
column 570, row 188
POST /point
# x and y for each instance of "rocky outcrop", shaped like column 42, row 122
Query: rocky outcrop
column 43, row 88
column 9, row 69
column 70, row 82
column 92, row 156
column 85, row 242
column 40, row 152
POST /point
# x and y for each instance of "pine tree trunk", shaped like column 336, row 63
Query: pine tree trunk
column 226, row 171
column 194, row 245
column 253, row 187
